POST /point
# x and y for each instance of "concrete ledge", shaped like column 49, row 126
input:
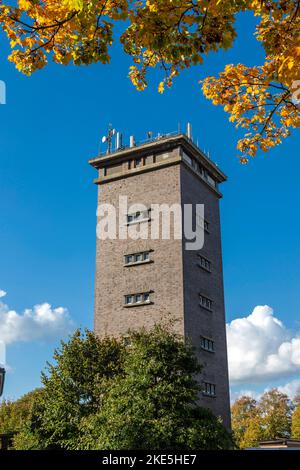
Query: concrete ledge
column 139, row 304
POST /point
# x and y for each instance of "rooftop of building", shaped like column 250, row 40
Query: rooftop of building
column 277, row 443
column 119, row 151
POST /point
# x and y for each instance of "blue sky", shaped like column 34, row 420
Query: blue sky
column 52, row 124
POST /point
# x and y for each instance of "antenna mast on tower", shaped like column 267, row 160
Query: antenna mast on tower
column 108, row 138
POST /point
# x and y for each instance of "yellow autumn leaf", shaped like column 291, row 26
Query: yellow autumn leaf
column 161, row 87
column 25, row 4
column 172, row 36
column 74, row 4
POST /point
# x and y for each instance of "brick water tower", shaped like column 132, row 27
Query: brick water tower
column 141, row 281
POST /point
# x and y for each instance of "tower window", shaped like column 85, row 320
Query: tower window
column 137, row 258
column 205, row 302
column 196, row 166
column 204, row 263
column 207, row 344
column 210, row 180
column 202, row 223
column 200, row 170
column 206, row 225
column 138, row 162
column 137, row 299
column 186, row 158
column 209, row 389
column 129, row 259
column 129, row 299
column 137, row 217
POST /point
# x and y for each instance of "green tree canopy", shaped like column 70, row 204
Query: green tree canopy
column 14, row 414
column 268, row 418
column 296, row 419
column 116, row 394
column 153, row 404
column 243, row 413
column 74, row 385
column 275, row 409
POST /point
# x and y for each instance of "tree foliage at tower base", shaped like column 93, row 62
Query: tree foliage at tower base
column 115, row 394
column 174, row 35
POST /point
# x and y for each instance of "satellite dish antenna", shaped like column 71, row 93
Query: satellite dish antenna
column 108, row 138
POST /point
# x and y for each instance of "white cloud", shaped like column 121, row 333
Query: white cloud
column 235, row 395
column 42, row 322
column 2, row 354
column 260, row 347
column 2, row 293
column 291, row 389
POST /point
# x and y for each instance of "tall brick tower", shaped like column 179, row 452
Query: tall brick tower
column 141, row 281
